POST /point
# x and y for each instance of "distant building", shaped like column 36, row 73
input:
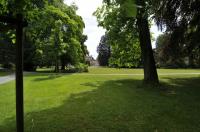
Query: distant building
column 91, row 61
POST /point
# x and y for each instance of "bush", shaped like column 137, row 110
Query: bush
column 77, row 68
column 9, row 66
column 29, row 67
column 82, row 67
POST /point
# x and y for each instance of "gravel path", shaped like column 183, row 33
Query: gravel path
column 11, row 77
column 6, row 79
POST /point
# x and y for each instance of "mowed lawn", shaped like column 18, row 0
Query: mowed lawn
column 105, row 103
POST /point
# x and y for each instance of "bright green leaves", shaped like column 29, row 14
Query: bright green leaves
column 54, row 30
column 118, row 18
column 3, row 6
column 127, row 6
column 130, row 8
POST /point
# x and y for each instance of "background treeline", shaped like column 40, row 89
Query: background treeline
column 54, row 36
column 177, row 47
column 119, row 54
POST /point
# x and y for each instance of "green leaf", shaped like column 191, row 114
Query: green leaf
column 130, row 8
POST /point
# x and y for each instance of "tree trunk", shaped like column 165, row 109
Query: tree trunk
column 191, row 61
column 63, row 63
column 56, row 65
column 56, row 49
column 150, row 73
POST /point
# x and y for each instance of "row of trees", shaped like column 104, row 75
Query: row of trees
column 54, row 36
column 127, row 23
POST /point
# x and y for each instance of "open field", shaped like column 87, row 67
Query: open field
column 114, row 103
column 139, row 71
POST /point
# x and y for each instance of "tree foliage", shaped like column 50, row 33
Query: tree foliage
column 7, row 48
column 103, row 51
column 54, row 34
column 121, row 35
column 126, row 22
column 166, row 55
column 181, row 20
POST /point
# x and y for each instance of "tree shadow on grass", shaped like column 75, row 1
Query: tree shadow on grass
column 120, row 106
column 48, row 77
column 184, row 85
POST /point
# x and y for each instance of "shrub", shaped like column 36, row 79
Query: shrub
column 77, row 68
column 9, row 66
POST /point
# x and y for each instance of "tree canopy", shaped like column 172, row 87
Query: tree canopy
column 126, row 23
column 54, row 34
column 181, row 20
column 103, row 51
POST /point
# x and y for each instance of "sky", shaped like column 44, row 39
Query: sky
column 94, row 33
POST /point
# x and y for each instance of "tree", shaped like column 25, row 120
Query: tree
column 122, row 37
column 104, row 52
column 54, row 34
column 150, row 73
column 139, row 19
column 181, row 19
column 57, row 41
column 126, row 55
column 30, row 55
column 7, row 49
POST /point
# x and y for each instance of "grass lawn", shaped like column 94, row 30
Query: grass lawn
column 88, row 103
column 138, row 71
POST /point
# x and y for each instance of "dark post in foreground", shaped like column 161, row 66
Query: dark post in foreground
column 17, row 23
column 19, row 75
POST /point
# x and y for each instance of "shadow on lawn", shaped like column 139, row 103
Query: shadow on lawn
column 121, row 106
column 48, row 77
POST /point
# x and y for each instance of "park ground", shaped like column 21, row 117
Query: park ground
column 105, row 100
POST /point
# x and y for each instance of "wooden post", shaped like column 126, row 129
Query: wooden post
column 18, row 24
column 19, row 75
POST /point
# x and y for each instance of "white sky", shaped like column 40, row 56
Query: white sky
column 94, row 33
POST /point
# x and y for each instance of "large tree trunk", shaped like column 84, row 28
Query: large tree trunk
column 150, row 73
column 63, row 62
column 57, row 56
column 56, row 65
column 191, row 58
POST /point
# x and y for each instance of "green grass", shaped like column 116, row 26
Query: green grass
column 85, row 103
column 137, row 71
